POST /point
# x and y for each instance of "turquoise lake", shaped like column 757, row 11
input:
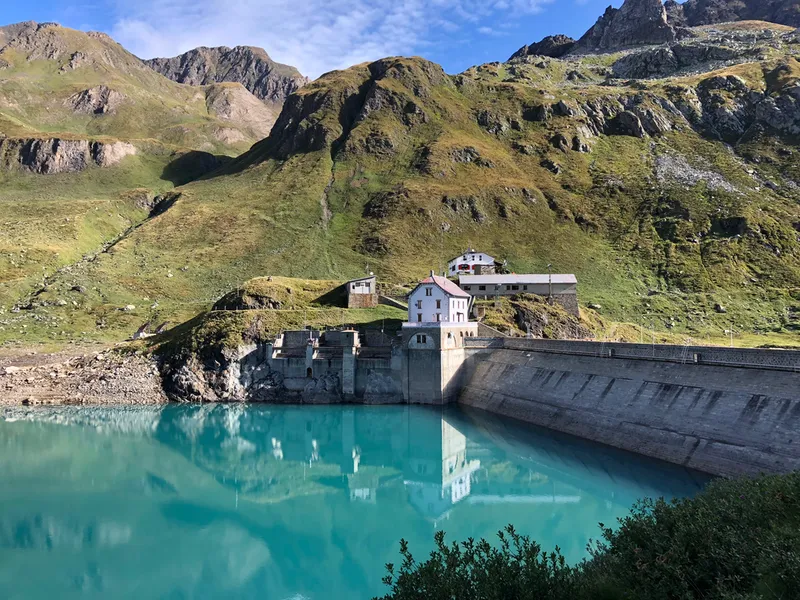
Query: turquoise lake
column 285, row 502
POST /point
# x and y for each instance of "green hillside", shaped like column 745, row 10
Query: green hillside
column 90, row 138
column 672, row 199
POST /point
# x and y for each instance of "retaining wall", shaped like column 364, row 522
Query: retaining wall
column 719, row 410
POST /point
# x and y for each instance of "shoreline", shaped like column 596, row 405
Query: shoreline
column 65, row 378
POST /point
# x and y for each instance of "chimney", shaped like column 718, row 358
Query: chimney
column 432, row 273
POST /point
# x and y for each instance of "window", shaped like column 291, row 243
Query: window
column 452, row 268
column 497, row 288
column 419, row 318
column 525, row 288
column 428, row 291
column 419, row 304
column 466, row 287
column 482, row 288
column 438, row 317
column 438, row 304
column 422, row 339
column 514, row 287
column 481, row 257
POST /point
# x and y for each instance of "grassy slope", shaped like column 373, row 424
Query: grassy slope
column 52, row 221
column 602, row 218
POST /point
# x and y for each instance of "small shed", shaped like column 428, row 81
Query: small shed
column 362, row 292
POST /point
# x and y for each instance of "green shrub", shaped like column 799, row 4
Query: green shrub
column 737, row 540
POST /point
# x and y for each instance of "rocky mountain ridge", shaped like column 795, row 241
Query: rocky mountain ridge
column 49, row 89
column 252, row 67
column 693, row 13
column 664, row 176
column 653, row 22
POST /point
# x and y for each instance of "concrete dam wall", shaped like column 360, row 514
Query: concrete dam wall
column 723, row 411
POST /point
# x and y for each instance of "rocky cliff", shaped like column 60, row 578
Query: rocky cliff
column 554, row 46
column 708, row 12
column 649, row 22
column 252, row 67
column 635, row 23
column 54, row 155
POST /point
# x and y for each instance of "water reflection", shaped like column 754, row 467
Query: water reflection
column 283, row 502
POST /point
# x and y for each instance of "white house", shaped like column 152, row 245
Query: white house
column 438, row 300
column 471, row 262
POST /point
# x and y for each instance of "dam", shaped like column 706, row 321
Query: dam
column 724, row 411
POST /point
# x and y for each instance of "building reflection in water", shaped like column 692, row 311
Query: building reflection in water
column 438, row 479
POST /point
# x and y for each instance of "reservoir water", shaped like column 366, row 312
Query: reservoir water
column 285, row 502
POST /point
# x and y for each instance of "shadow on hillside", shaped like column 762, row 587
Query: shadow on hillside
column 337, row 297
column 192, row 166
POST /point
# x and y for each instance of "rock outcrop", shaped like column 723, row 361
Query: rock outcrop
column 55, row 155
column 635, row 23
column 233, row 103
column 98, row 100
column 252, row 67
column 708, row 12
column 554, row 46
column 665, row 61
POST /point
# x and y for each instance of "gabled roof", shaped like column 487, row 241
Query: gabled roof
column 447, row 286
column 487, row 257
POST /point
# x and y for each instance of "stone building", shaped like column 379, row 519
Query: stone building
column 362, row 292
column 562, row 288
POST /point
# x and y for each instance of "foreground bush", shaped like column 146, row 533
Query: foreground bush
column 737, row 540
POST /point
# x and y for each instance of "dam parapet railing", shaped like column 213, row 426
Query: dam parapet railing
column 746, row 358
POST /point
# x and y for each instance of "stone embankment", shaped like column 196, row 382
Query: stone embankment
column 97, row 378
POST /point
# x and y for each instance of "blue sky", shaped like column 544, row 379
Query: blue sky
column 321, row 35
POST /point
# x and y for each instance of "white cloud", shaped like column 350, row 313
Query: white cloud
column 314, row 35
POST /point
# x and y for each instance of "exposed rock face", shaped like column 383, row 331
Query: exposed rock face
column 636, row 23
column 554, row 46
column 231, row 102
column 666, row 61
column 49, row 156
column 707, row 12
column 252, row 67
column 97, row 100
column 37, row 40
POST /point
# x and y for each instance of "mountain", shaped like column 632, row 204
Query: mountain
column 665, row 177
column 708, row 12
column 252, row 67
column 635, row 23
column 651, row 22
column 56, row 82
column 90, row 138
column 674, row 200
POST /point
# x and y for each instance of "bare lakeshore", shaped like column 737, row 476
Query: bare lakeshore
column 85, row 375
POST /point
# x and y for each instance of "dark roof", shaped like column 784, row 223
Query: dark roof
column 365, row 278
